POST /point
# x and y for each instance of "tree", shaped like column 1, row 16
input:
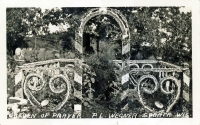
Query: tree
column 22, row 22
column 166, row 28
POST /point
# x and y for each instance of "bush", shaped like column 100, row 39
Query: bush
column 101, row 63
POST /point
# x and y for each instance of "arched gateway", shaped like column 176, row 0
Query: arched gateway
column 120, row 19
column 150, row 78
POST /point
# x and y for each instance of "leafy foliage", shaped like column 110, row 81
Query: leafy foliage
column 20, row 23
column 166, row 29
column 101, row 64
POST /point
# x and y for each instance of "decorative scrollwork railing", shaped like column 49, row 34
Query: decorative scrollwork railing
column 52, row 84
column 52, row 81
column 157, row 83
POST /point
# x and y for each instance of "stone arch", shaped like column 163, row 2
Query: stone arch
column 120, row 19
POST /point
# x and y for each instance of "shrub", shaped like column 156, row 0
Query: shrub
column 101, row 63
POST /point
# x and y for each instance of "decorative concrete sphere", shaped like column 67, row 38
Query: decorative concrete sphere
column 18, row 51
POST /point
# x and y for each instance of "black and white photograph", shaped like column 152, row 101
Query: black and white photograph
column 107, row 62
column 100, row 62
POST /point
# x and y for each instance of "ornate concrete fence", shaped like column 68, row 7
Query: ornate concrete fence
column 160, row 85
